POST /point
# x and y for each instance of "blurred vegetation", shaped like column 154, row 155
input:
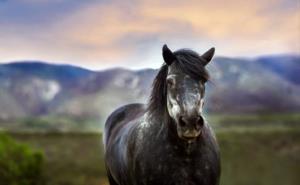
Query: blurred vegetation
column 249, row 157
column 19, row 163
column 71, row 158
column 51, row 124
column 260, row 157
column 255, row 121
column 255, row 150
column 65, row 124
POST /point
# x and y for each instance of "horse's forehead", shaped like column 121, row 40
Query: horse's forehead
column 172, row 69
column 174, row 72
column 183, row 79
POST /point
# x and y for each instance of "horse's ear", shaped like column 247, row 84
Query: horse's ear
column 207, row 56
column 168, row 55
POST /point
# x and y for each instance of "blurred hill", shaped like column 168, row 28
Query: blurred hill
column 32, row 89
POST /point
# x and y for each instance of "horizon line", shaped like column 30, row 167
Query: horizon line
column 67, row 63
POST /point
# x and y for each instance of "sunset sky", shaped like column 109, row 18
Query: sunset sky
column 100, row 34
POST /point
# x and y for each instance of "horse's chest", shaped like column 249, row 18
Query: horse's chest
column 170, row 171
column 167, row 164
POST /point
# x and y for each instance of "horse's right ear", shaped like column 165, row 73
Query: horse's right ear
column 208, row 55
column 168, row 55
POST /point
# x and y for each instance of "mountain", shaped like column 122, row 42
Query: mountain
column 32, row 89
column 287, row 66
column 27, row 88
column 253, row 85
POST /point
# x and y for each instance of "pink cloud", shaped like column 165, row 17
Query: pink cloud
column 114, row 33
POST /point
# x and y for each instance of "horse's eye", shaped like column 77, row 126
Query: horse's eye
column 170, row 82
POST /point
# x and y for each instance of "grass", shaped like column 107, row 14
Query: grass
column 249, row 156
column 51, row 124
column 270, row 120
column 271, row 117
column 220, row 121
column 71, row 159
column 260, row 157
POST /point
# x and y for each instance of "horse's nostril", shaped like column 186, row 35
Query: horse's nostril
column 181, row 121
column 200, row 122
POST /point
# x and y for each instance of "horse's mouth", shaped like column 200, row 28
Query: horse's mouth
column 191, row 135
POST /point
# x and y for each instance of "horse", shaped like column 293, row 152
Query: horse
column 166, row 141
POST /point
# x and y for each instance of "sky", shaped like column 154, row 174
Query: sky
column 100, row 34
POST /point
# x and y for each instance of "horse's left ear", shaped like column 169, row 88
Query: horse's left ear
column 168, row 55
column 207, row 56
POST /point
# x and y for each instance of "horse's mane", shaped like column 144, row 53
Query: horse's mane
column 188, row 62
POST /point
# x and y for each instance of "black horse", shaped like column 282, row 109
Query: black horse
column 166, row 142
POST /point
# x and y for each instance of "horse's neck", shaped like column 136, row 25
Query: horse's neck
column 164, row 128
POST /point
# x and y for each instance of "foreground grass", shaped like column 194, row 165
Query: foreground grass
column 260, row 156
column 71, row 159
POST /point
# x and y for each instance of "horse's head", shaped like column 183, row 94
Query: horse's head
column 185, row 80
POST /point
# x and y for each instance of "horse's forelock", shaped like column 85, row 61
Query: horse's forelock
column 191, row 63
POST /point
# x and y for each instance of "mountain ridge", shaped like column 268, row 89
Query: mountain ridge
column 38, row 89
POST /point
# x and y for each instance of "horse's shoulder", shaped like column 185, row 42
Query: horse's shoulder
column 122, row 115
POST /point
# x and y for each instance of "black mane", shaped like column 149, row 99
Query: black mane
column 190, row 63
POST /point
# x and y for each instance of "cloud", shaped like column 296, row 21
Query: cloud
column 126, row 32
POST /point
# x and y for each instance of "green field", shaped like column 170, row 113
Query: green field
column 260, row 156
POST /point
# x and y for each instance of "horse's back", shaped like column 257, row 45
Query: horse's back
column 120, row 117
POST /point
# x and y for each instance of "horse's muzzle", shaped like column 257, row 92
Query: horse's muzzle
column 190, row 127
column 191, row 134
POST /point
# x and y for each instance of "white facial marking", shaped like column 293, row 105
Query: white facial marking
column 192, row 97
column 177, row 97
column 201, row 105
column 192, row 101
column 173, row 107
